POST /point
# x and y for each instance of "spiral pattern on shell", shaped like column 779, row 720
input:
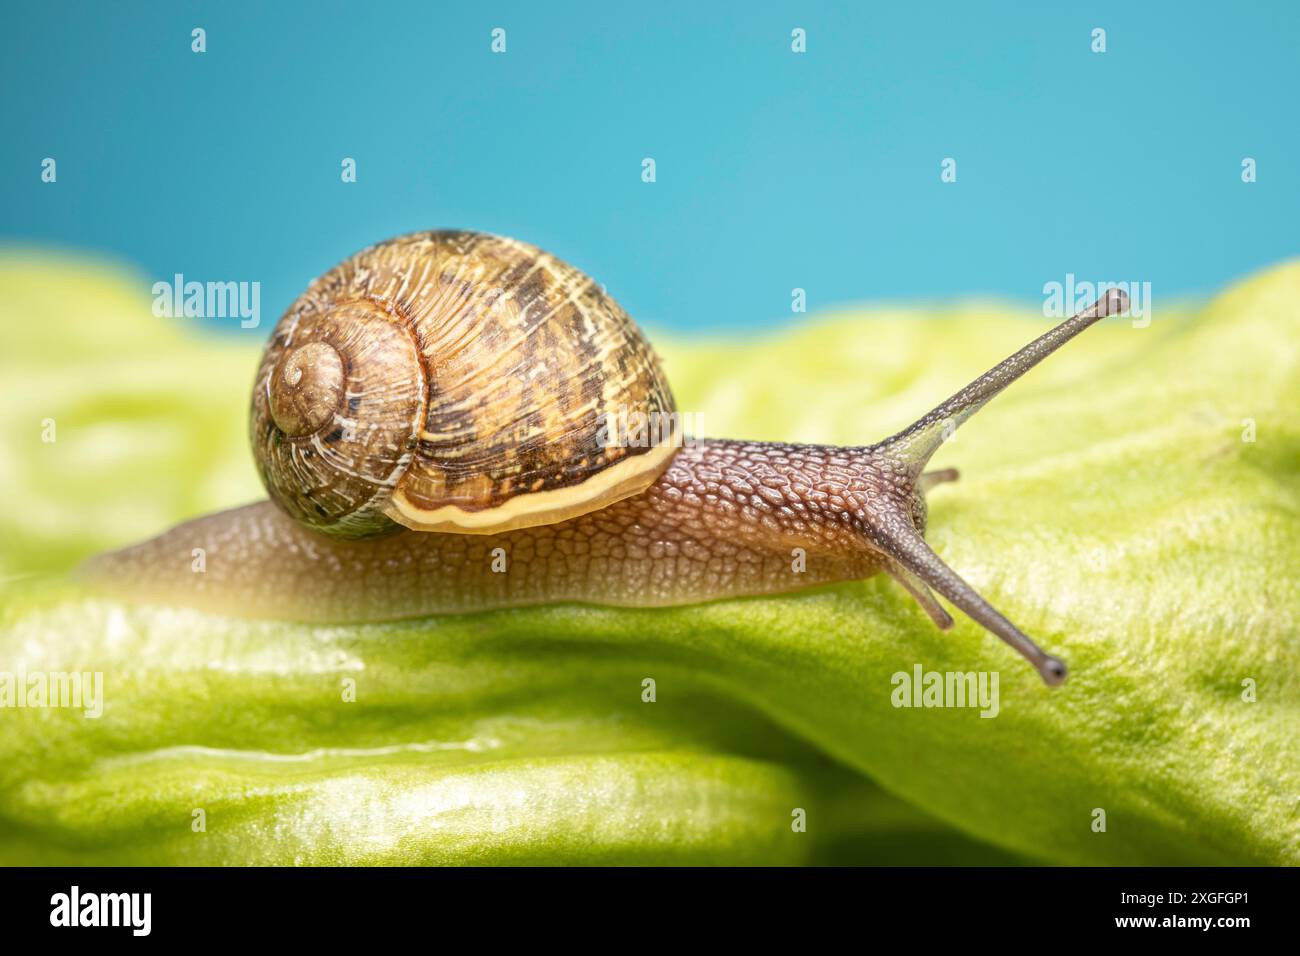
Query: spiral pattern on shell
column 454, row 381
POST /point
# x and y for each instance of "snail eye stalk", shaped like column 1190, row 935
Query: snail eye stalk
column 916, row 443
column 889, row 528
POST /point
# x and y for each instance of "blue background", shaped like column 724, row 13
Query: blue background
column 775, row 170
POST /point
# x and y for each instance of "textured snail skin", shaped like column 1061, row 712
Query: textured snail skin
column 722, row 521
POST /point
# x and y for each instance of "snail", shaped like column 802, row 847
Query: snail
column 432, row 421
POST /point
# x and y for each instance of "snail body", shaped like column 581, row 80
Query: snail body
column 681, row 541
column 462, row 385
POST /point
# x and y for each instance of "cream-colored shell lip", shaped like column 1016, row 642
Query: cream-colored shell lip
column 625, row 478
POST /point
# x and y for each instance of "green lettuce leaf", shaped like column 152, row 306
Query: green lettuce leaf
column 1132, row 504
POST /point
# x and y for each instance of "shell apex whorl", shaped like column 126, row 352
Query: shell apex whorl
column 338, row 400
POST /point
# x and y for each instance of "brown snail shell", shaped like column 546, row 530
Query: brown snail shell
column 455, row 381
